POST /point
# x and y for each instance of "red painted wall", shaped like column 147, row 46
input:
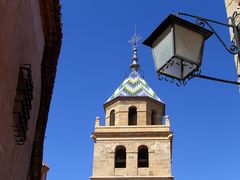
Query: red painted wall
column 21, row 41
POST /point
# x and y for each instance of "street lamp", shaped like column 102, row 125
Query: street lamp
column 177, row 47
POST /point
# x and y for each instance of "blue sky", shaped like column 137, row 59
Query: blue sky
column 94, row 59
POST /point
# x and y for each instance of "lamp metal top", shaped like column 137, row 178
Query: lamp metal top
column 170, row 20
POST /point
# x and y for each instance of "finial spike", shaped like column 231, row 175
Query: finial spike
column 134, row 41
column 135, row 32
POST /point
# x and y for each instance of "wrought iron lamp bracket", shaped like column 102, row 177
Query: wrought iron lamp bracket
column 195, row 74
column 234, row 48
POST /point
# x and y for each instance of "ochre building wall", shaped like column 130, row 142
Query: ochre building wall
column 231, row 7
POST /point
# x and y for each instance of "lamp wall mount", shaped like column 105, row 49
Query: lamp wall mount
column 195, row 74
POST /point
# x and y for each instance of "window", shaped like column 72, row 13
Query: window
column 142, row 156
column 23, row 103
column 120, row 157
column 154, row 119
column 112, row 118
column 132, row 116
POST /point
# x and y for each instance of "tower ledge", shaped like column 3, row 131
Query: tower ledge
column 132, row 177
column 134, row 129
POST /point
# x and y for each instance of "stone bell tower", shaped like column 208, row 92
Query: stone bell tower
column 136, row 140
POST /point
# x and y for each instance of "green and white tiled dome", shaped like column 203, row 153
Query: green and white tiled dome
column 134, row 86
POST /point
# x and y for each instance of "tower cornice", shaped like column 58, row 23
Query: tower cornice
column 147, row 134
column 131, row 98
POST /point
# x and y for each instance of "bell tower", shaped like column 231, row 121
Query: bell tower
column 136, row 140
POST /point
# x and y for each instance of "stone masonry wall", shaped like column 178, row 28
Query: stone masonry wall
column 159, row 158
column 144, row 109
column 231, row 7
column 157, row 138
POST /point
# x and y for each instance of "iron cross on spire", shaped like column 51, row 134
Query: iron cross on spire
column 134, row 41
column 135, row 38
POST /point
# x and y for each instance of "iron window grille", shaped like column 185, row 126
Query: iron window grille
column 23, row 103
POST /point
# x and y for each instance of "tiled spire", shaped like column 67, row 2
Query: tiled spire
column 134, row 85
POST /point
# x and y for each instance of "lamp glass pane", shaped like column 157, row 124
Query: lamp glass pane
column 173, row 69
column 188, row 68
column 163, row 48
column 188, row 44
column 178, row 68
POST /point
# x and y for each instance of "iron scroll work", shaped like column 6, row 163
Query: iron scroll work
column 233, row 49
